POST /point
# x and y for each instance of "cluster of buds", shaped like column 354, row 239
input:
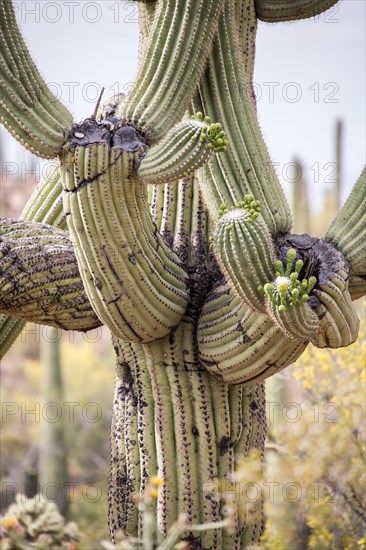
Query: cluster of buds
column 287, row 289
column 249, row 204
column 212, row 133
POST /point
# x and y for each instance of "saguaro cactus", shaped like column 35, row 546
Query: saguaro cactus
column 166, row 223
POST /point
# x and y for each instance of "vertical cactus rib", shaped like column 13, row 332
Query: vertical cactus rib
column 246, row 167
column 246, row 23
column 138, row 284
column 169, row 212
column 348, row 229
column 45, row 203
column 222, row 418
column 186, row 458
column 289, row 10
column 28, row 109
column 10, row 328
column 118, row 487
column 253, row 435
column 133, row 473
column 166, row 81
column 357, row 286
column 165, row 437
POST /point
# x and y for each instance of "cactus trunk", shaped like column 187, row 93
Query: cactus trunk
column 172, row 418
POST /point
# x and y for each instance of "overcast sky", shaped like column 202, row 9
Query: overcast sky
column 307, row 75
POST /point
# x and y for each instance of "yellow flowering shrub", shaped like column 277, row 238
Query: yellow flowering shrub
column 316, row 452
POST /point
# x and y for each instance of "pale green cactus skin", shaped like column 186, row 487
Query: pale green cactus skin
column 172, row 241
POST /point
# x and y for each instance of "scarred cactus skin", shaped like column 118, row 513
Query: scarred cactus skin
column 178, row 237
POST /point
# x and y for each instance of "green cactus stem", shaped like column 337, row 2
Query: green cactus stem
column 28, row 109
column 244, row 249
column 295, row 322
column 289, row 10
column 190, row 467
column 135, row 283
column 45, row 203
column 174, row 58
column 246, row 23
column 44, row 206
column 39, row 277
column 246, row 167
column 10, row 328
column 323, row 313
column 339, row 324
column 240, row 345
column 348, row 229
column 183, row 150
column 357, row 286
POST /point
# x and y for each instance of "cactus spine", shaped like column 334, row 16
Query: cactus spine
column 195, row 328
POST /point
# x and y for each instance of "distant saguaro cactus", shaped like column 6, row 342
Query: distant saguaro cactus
column 52, row 462
column 164, row 221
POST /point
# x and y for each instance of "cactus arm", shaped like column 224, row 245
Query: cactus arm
column 174, row 59
column 146, row 16
column 184, row 149
column 225, row 95
column 44, row 206
column 312, row 298
column 348, row 229
column 357, row 286
column 134, row 281
column 28, row 109
column 245, row 250
column 39, row 279
column 239, row 345
column 288, row 10
column 10, row 328
column 45, row 203
column 246, row 22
